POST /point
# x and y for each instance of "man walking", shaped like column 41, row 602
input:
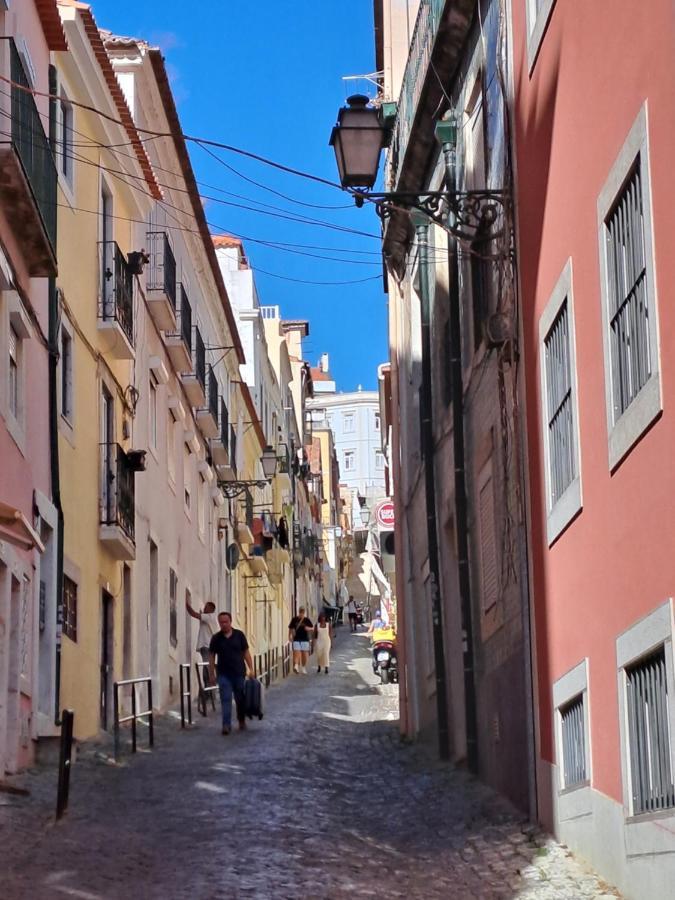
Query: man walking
column 353, row 614
column 208, row 625
column 230, row 655
column 299, row 629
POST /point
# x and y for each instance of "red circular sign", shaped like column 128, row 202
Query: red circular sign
column 386, row 515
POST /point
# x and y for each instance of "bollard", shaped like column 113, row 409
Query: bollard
column 65, row 760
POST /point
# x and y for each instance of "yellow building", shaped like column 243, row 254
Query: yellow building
column 97, row 289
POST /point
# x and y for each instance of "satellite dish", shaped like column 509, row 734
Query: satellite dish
column 232, row 556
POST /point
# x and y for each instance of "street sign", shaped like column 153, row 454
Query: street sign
column 385, row 515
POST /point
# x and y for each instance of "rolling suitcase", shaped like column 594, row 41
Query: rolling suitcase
column 253, row 698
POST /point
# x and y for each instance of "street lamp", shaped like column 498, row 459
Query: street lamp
column 358, row 138
column 268, row 461
column 365, row 515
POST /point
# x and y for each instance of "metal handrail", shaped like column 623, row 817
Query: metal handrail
column 185, row 694
column 135, row 715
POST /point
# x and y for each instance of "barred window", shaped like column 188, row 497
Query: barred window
column 561, row 444
column 573, row 742
column 628, row 305
column 649, row 734
column 69, row 608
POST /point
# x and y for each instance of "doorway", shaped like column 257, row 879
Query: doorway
column 106, row 659
column 154, row 619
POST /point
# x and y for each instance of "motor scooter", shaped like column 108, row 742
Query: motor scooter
column 385, row 661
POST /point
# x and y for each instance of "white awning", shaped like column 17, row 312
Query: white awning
column 15, row 528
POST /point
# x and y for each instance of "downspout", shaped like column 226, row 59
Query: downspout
column 427, row 446
column 461, row 512
column 54, row 428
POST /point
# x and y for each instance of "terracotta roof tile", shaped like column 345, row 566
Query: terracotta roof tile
column 51, row 24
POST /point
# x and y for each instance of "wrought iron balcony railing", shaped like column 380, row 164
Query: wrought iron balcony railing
column 224, row 424
column 212, row 394
column 32, row 145
column 161, row 273
column 117, row 489
column 117, row 289
column 185, row 318
column 428, row 20
column 199, row 358
column 233, row 449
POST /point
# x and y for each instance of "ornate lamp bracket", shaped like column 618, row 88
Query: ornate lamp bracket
column 232, row 489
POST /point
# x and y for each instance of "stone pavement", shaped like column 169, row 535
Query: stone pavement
column 319, row 800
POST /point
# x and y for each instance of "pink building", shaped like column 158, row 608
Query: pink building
column 595, row 130
column 28, row 518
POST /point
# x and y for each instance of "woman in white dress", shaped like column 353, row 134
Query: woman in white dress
column 323, row 636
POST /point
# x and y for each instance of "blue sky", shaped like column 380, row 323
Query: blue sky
column 267, row 77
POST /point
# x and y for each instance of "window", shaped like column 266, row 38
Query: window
column 538, row 15
column 65, row 138
column 572, row 729
column 173, row 609
column 66, row 375
column 69, row 608
column 153, row 410
column 377, row 421
column 350, row 460
column 630, row 342
column 201, row 505
column 14, row 379
column 649, row 746
column 187, row 479
column 171, row 445
column 488, row 540
column 348, row 422
column 560, row 412
column 379, row 459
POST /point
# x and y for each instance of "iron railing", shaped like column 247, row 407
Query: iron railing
column 233, row 449
column 199, row 358
column 224, row 424
column 573, row 742
column 161, row 273
column 135, row 714
column 117, row 288
column 185, row 694
column 185, row 319
column 117, row 489
column 284, row 460
column 212, row 394
column 421, row 45
column 649, row 735
column 32, row 146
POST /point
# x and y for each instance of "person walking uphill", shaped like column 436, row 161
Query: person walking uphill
column 299, row 630
column 230, row 656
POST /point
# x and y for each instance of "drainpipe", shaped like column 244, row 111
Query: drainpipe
column 446, row 131
column 54, row 429
column 427, row 445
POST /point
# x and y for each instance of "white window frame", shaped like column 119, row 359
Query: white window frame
column 68, row 414
column 378, row 423
column 645, row 636
column 566, row 507
column 574, row 801
column 379, row 458
column 65, row 149
column 15, row 318
column 624, row 432
column 537, row 23
column 352, row 456
column 348, row 417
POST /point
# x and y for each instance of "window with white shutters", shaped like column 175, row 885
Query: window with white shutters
column 488, row 541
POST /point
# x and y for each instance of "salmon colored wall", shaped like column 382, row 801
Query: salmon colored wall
column 597, row 64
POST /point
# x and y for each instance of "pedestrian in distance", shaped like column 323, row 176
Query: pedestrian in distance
column 377, row 623
column 323, row 635
column 208, row 626
column 353, row 614
column 299, row 630
column 230, row 656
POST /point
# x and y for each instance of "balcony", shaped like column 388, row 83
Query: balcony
column 284, row 466
column 228, row 470
column 207, row 417
column 116, row 301
column 179, row 343
column 220, row 445
column 160, row 283
column 28, row 181
column 194, row 381
column 117, row 504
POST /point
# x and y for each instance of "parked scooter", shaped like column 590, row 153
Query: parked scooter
column 385, row 661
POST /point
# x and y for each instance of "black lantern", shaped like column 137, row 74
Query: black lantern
column 358, row 138
column 268, row 461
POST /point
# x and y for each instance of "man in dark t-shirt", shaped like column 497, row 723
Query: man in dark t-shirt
column 299, row 630
column 230, row 656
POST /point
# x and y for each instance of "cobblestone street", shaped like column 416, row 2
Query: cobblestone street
column 318, row 800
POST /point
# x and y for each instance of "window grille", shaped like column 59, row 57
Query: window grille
column 649, row 735
column 561, row 445
column 629, row 311
column 69, row 608
column 488, row 545
column 573, row 742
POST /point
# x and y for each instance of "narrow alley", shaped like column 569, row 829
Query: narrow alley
column 319, row 800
